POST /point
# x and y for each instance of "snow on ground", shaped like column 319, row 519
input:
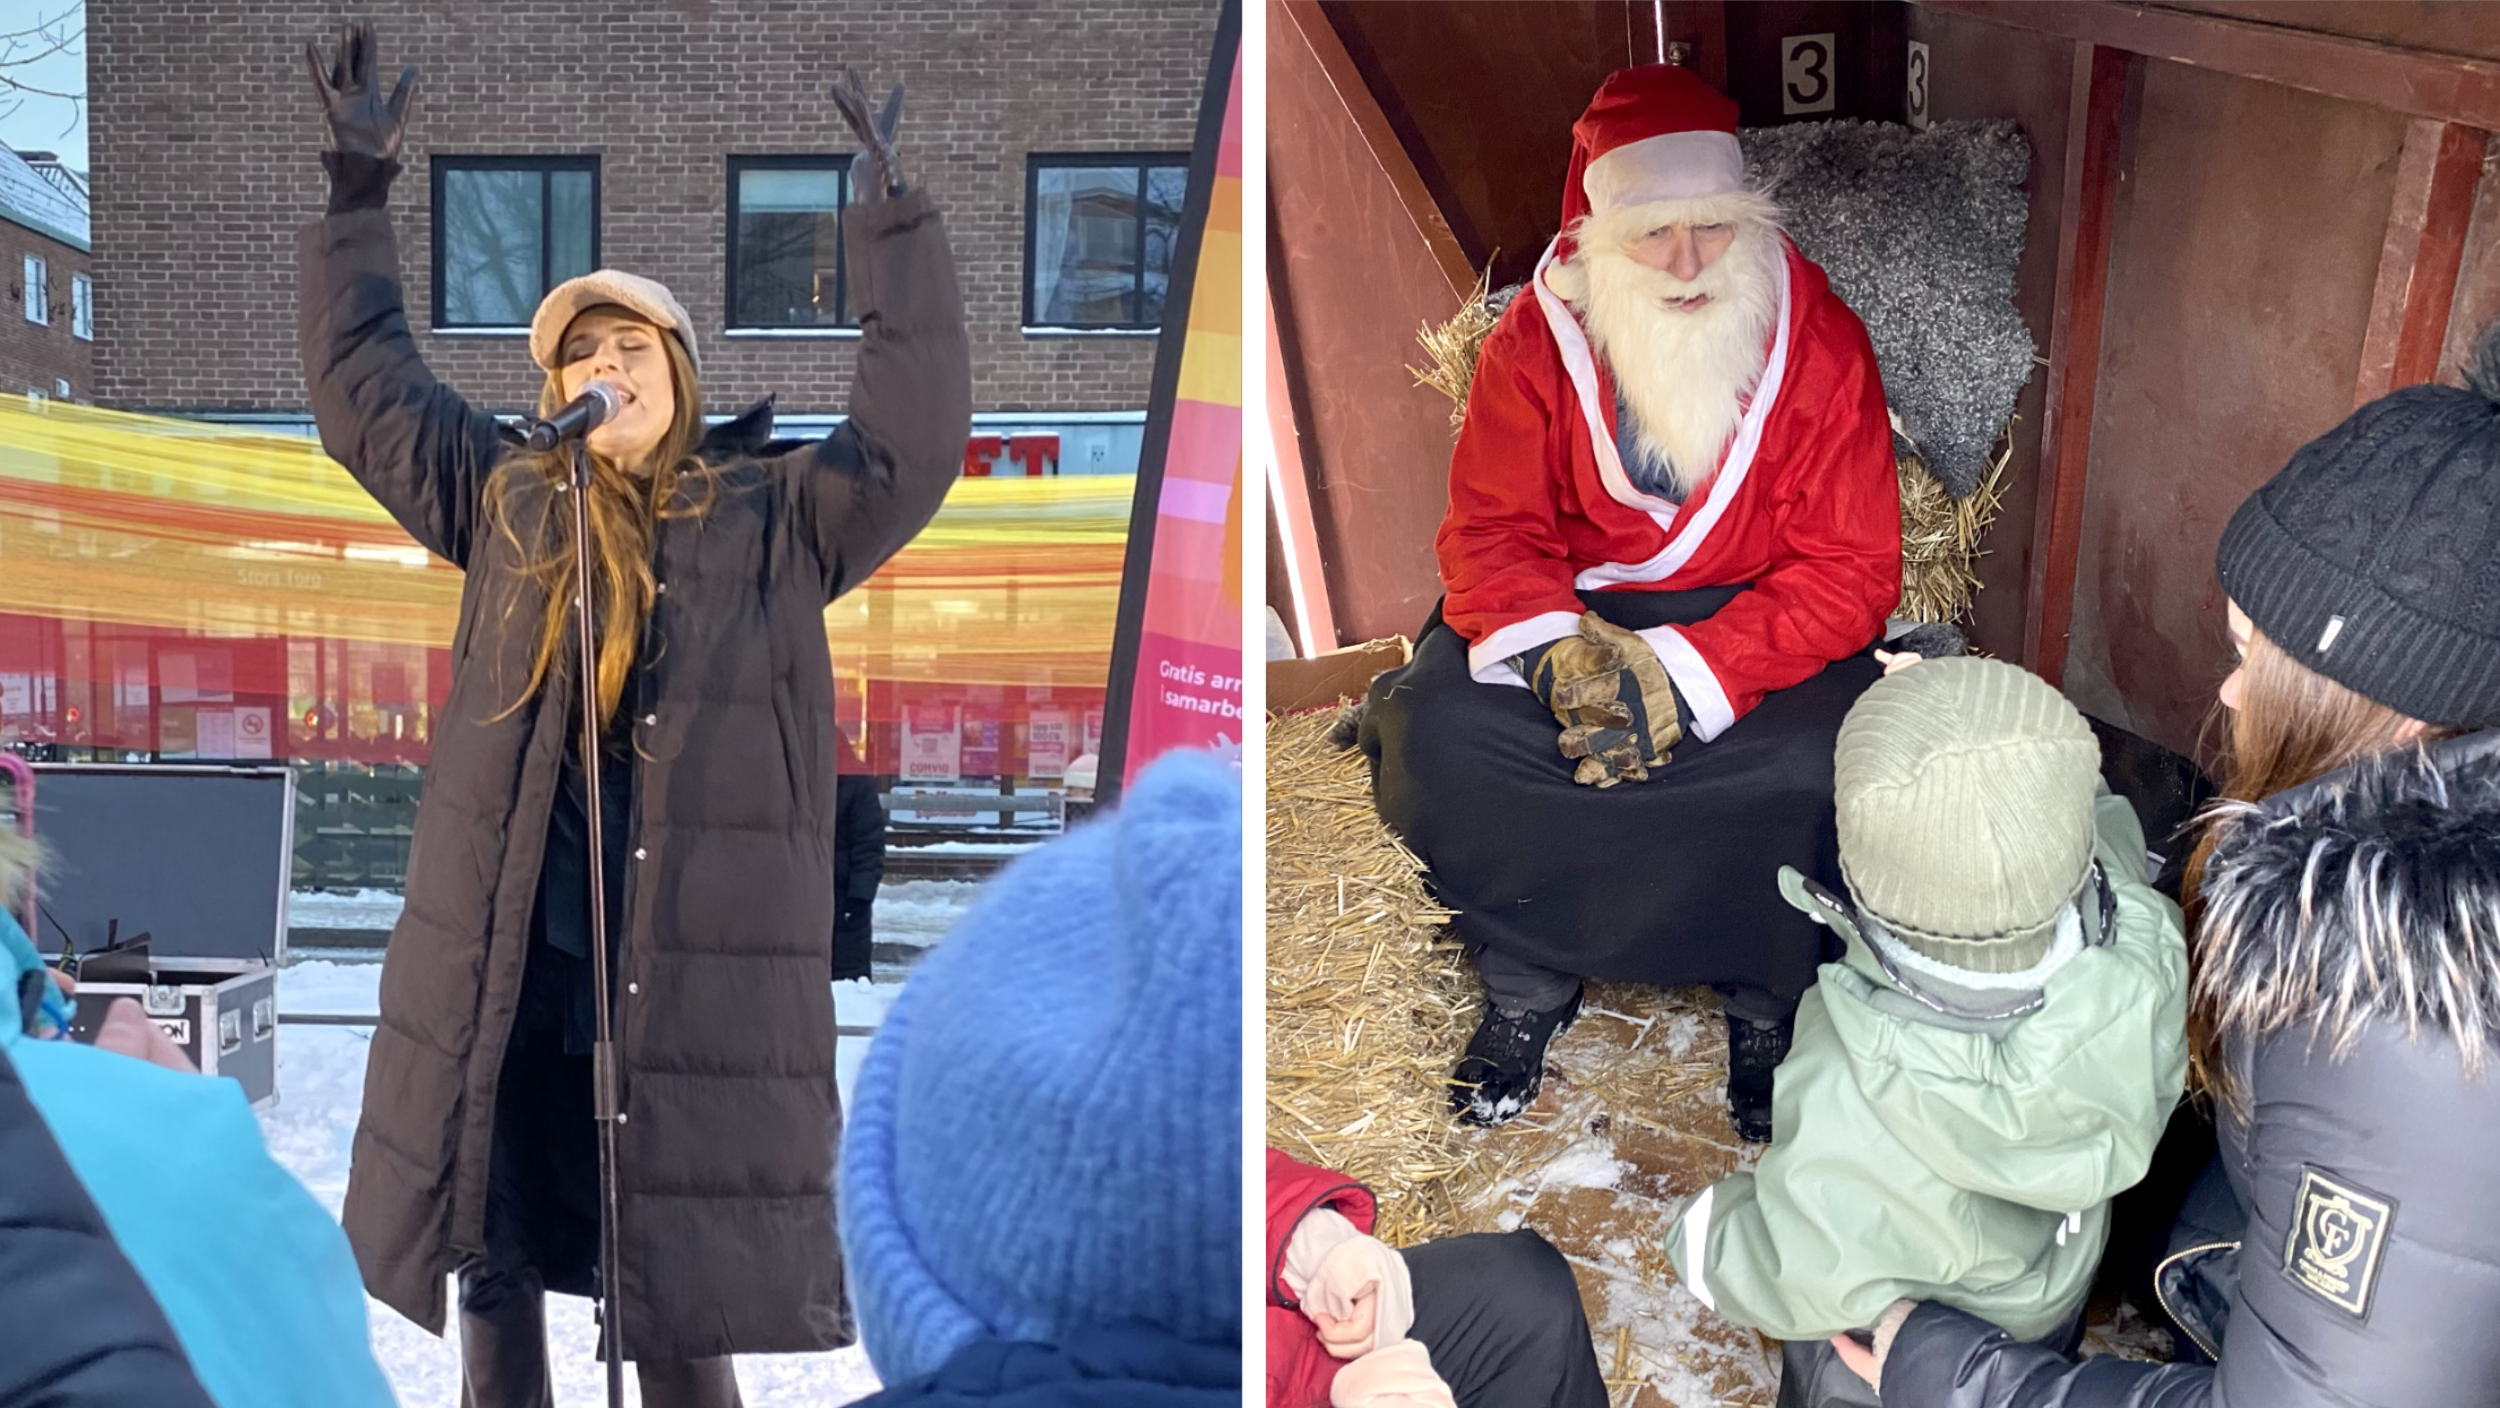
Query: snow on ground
column 321, row 1072
column 919, row 912
column 915, row 912
column 324, row 909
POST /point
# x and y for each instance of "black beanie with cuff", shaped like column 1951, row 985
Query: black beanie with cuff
column 2373, row 558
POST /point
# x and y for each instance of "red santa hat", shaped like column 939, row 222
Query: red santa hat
column 1654, row 133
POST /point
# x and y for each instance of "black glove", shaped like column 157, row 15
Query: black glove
column 880, row 170
column 1619, row 712
column 362, row 122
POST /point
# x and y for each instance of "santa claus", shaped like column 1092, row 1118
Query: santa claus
column 1674, row 534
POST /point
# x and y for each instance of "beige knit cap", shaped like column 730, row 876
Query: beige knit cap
column 574, row 297
column 1964, row 789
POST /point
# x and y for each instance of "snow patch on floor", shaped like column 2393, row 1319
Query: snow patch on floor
column 1590, row 1163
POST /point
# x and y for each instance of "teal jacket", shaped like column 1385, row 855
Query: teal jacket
column 1933, row 1157
column 255, row 1277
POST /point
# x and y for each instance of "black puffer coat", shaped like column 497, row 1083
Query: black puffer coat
column 2368, row 1267
column 725, row 1021
column 78, row 1328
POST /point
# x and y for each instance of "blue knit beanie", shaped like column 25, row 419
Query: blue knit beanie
column 1046, row 1132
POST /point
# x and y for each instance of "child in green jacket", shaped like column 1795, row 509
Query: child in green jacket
column 1993, row 1058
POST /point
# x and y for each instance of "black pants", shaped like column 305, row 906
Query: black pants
column 1669, row 882
column 1514, row 984
column 542, row 1223
column 1813, row 1376
column 1500, row 1314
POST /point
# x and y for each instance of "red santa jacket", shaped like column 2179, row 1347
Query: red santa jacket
column 1299, row 1370
column 1804, row 505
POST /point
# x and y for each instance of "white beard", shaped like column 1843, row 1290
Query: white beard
column 1682, row 374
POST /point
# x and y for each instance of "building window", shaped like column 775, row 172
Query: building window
column 38, row 297
column 785, row 242
column 1098, row 238
column 506, row 230
column 82, row 307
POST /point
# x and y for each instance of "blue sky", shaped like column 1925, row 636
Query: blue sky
column 44, row 124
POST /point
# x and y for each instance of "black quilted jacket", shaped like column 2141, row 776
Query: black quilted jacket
column 2367, row 1268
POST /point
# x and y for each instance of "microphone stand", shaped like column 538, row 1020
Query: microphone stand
column 604, row 1093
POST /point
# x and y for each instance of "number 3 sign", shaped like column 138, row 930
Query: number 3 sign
column 1915, row 105
column 1806, row 79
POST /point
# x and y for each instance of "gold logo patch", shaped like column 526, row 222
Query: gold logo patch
column 2338, row 1233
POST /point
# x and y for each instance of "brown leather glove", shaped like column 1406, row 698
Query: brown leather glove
column 1610, row 693
column 880, row 169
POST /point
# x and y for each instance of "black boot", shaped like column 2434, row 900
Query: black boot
column 1505, row 1062
column 689, row 1383
column 503, row 1347
column 1754, row 1051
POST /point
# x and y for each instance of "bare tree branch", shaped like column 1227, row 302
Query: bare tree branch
column 21, row 50
column 44, row 26
column 18, row 86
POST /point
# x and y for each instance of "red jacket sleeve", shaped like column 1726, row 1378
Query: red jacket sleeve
column 1504, row 560
column 1836, row 566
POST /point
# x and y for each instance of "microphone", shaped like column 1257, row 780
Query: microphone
column 595, row 407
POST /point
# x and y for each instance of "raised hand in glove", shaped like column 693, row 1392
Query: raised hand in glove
column 880, row 169
column 1612, row 697
column 362, row 121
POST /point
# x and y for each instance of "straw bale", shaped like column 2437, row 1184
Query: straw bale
column 1367, row 998
column 1940, row 535
column 1369, row 1005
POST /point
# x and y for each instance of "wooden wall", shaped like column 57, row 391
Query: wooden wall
column 2245, row 218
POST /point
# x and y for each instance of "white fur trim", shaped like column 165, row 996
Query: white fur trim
column 1624, row 224
column 1572, row 341
column 1488, row 660
column 1669, row 166
column 1693, row 679
column 1697, row 1247
column 2062, row 950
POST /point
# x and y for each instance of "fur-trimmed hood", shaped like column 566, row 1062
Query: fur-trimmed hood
column 2373, row 892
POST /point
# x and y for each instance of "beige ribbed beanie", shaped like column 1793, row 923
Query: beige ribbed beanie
column 1964, row 788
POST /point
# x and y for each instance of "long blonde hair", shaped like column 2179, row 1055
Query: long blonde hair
column 626, row 506
column 19, row 858
column 2293, row 725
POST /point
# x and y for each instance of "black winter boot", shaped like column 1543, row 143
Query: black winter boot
column 1754, row 1051
column 689, row 1383
column 503, row 1351
column 1505, row 1062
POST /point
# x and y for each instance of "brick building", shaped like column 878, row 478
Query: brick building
column 47, row 328
column 691, row 141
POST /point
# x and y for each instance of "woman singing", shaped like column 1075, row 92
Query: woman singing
column 713, row 557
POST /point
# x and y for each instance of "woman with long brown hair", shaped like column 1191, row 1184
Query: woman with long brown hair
column 2346, row 990
column 713, row 555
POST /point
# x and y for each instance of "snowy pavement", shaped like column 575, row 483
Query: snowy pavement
column 321, row 1072
column 914, row 912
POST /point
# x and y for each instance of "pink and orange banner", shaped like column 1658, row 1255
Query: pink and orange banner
column 1185, row 691
column 180, row 589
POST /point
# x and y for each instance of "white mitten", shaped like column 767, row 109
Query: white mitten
column 1353, row 1269
column 1314, row 1237
column 1396, row 1376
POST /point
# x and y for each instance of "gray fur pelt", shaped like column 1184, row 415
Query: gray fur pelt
column 1921, row 233
column 2373, row 893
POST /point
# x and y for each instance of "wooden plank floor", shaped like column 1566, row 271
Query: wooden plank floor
column 1630, row 1125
